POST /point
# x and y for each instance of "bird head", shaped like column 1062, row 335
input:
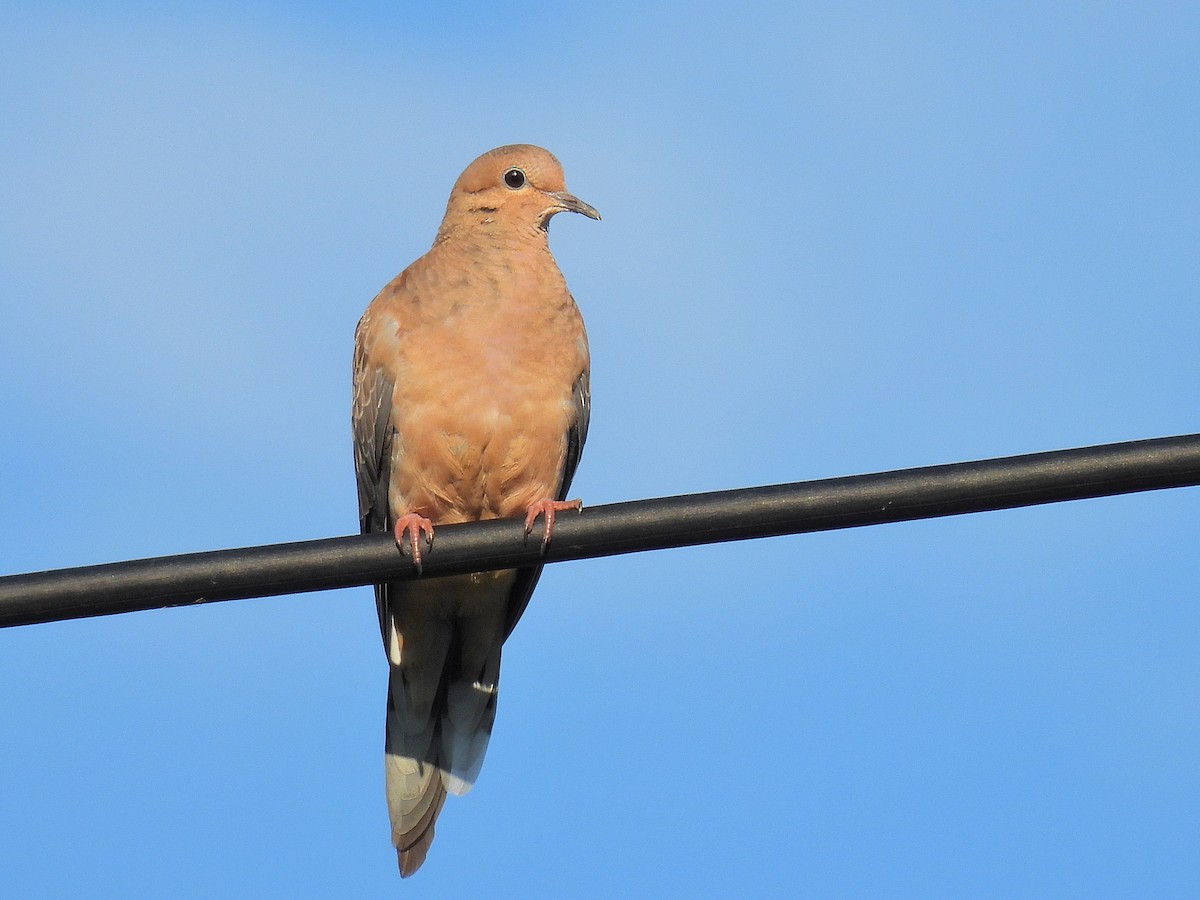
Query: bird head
column 519, row 185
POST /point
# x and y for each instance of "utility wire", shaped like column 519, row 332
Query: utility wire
column 607, row 530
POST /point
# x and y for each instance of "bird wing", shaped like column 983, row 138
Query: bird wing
column 527, row 578
column 371, row 423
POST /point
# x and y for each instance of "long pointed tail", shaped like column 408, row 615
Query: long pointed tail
column 415, row 794
column 442, row 689
column 432, row 748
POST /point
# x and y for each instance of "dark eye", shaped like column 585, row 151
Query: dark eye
column 514, row 178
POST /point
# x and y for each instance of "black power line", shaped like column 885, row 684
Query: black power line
column 607, row 530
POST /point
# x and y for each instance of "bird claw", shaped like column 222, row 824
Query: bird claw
column 548, row 509
column 407, row 530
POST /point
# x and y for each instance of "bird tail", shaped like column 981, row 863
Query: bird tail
column 415, row 794
column 439, row 720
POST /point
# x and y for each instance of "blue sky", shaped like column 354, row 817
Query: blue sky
column 837, row 239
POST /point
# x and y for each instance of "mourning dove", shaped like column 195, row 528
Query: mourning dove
column 471, row 401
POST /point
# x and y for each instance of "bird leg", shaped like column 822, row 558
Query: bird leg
column 548, row 508
column 408, row 529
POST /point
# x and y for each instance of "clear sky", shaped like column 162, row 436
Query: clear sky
column 837, row 238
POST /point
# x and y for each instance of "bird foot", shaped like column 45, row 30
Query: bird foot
column 548, row 509
column 408, row 530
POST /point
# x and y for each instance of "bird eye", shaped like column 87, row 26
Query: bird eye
column 514, row 178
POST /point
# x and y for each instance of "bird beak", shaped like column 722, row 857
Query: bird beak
column 571, row 203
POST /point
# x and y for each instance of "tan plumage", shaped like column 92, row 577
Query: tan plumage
column 471, row 402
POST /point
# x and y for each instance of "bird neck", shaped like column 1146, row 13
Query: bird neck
column 480, row 226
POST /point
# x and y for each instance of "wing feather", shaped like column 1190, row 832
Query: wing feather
column 527, row 578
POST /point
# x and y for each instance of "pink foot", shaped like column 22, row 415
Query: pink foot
column 408, row 529
column 548, row 508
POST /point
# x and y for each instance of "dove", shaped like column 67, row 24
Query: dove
column 471, row 401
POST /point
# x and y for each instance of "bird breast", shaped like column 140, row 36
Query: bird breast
column 481, row 429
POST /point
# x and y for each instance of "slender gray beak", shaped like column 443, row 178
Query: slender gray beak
column 571, row 203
